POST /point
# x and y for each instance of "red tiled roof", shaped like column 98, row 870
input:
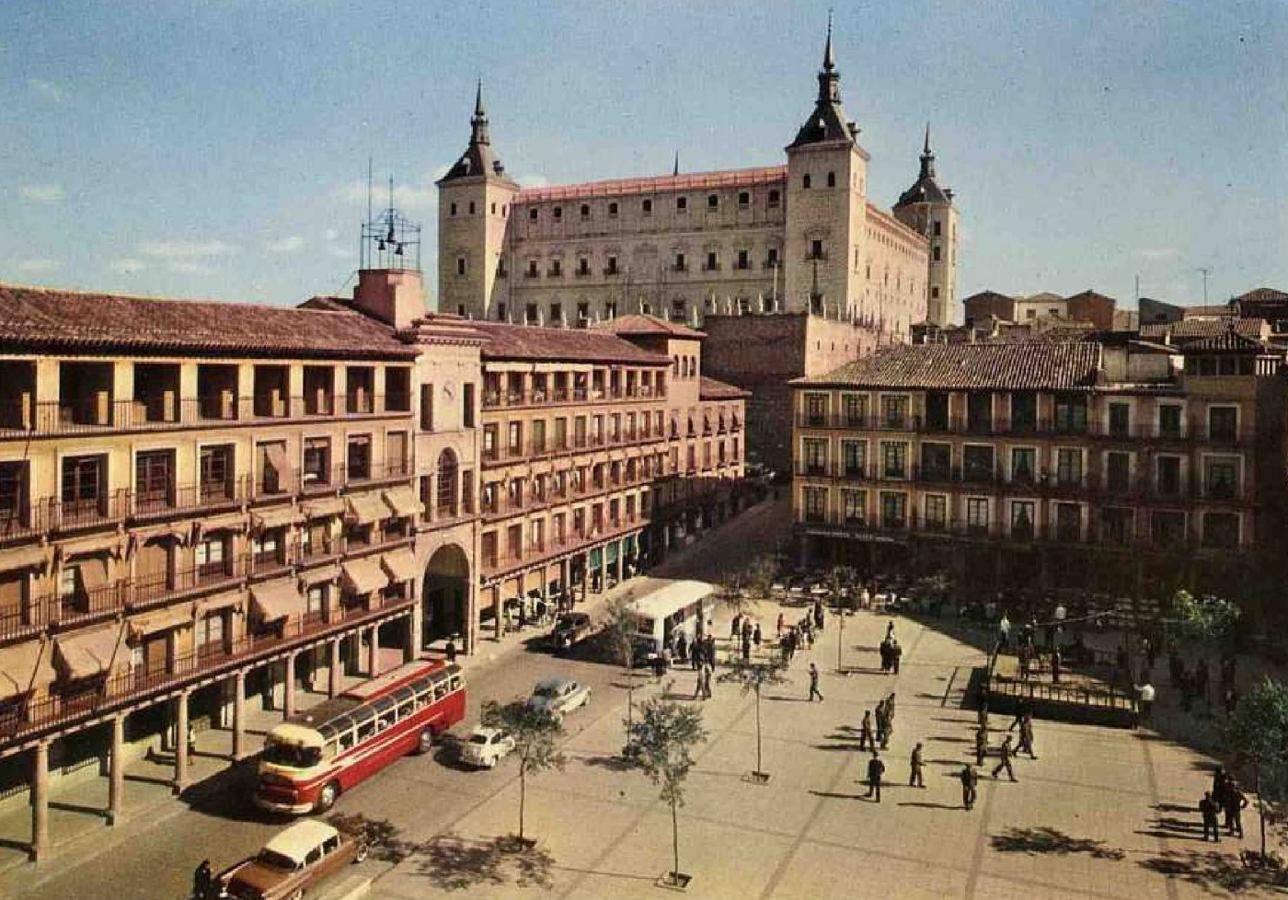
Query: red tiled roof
column 1224, row 309
column 637, row 323
column 44, row 317
column 1230, row 339
column 711, row 389
column 530, row 342
column 1187, row 330
column 1262, row 295
column 1016, row 366
column 658, row 184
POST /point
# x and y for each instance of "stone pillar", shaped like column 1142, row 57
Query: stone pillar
column 496, row 611
column 181, row 742
column 620, row 565
column 116, row 774
column 333, row 673
column 412, row 646
column 288, row 688
column 373, row 652
column 239, row 716
column 39, row 800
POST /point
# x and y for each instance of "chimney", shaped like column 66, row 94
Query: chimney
column 394, row 296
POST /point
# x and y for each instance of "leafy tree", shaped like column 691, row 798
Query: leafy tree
column 759, row 576
column 733, row 590
column 751, row 676
column 536, row 733
column 621, row 627
column 662, row 744
column 841, row 583
column 1258, row 733
column 1204, row 620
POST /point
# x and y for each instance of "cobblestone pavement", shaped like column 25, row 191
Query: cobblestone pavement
column 1102, row 812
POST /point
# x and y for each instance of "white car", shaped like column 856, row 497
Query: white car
column 486, row 746
column 559, row 695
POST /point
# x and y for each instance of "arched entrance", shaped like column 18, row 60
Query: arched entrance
column 446, row 593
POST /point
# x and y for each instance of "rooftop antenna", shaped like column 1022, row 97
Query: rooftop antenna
column 369, row 163
column 676, row 169
column 1206, row 270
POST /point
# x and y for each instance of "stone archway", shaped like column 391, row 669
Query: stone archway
column 446, row 593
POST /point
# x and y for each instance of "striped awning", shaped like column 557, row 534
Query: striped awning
column 84, row 654
column 312, row 577
column 161, row 621
column 363, row 576
column 26, row 667
column 400, row 564
column 402, row 501
column 207, row 605
column 278, row 517
column 324, row 508
column 277, row 599
column 367, row 509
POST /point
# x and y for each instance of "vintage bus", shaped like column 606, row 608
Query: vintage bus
column 678, row 607
column 311, row 758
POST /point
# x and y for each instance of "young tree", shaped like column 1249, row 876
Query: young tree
column 621, row 628
column 841, row 582
column 733, row 590
column 1206, row 622
column 1258, row 733
column 759, row 576
column 751, row 677
column 536, row 733
column 662, row 744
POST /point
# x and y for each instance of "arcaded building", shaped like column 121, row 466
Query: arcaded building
column 1118, row 465
column 799, row 236
column 206, row 505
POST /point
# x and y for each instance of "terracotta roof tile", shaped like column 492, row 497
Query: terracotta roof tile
column 42, row 317
column 563, row 344
column 711, row 389
column 1187, row 330
column 636, row 324
column 1031, row 365
column 654, row 185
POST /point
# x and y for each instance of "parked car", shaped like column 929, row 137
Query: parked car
column 559, row 695
column 485, row 746
column 293, row 862
column 570, row 629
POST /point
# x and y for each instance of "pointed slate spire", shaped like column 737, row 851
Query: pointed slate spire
column 478, row 158
column 829, row 62
column 828, row 121
column 927, row 157
column 926, row 148
column 676, row 169
column 478, row 121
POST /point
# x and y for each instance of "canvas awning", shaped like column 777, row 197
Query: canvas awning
column 140, row 536
column 236, row 521
column 400, row 564
column 277, row 599
column 313, row 577
column 279, row 517
column 85, row 654
column 161, row 621
column 402, row 501
column 26, row 667
column 323, row 508
column 275, row 453
column 362, row 576
column 24, row 558
column 99, row 543
column 207, row 605
column 366, row 509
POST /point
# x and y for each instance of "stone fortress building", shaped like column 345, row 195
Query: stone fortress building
column 797, row 238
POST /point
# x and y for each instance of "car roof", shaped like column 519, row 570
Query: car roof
column 295, row 842
column 486, row 730
column 554, row 682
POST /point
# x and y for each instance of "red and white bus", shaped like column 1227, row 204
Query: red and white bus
column 311, row 758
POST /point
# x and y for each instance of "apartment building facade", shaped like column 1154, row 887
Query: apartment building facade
column 205, row 506
column 1113, row 466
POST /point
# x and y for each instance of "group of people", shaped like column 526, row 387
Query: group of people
column 891, row 652
column 884, row 725
column 1225, row 797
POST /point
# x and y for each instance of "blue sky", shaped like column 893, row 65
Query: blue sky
column 219, row 149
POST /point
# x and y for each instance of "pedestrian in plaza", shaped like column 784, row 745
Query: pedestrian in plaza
column 1026, row 737
column 876, row 768
column 735, row 627
column 813, row 684
column 450, row 650
column 884, row 650
column 697, row 684
column 807, row 629
column 1234, row 802
column 1145, row 701
column 707, row 672
column 755, row 636
column 1056, row 661
column 682, row 647
column 890, row 709
column 1004, row 752
column 203, row 879
column 1207, row 809
column 883, row 727
column 896, row 654
column 818, row 614
column 916, row 765
column 778, row 629
column 969, row 781
column 981, row 744
column 890, row 630
column 1218, row 784
column 866, row 739
column 1022, row 709
column 746, row 646
column 1004, row 632
column 1025, row 658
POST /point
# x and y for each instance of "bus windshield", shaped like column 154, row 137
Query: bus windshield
column 291, row 755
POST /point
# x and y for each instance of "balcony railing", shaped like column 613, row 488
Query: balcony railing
column 186, row 498
column 166, row 586
column 498, row 399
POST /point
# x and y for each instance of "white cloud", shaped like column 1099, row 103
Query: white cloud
column 1154, row 254
column 47, row 89
column 331, row 234
column 532, row 180
column 339, row 252
column 289, row 244
column 127, row 266
column 419, row 194
column 186, row 250
column 41, row 193
column 188, row 267
column 38, row 266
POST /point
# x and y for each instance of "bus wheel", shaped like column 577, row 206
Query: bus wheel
column 326, row 797
column 424, row 742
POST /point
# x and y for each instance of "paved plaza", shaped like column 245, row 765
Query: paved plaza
column 1101, row 813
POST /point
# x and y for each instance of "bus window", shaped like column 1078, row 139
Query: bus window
column 455, row 683
column 346, row 740
column 291, row 755
column 406, row 709
column 366, row 729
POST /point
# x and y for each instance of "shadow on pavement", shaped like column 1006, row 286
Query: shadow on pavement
column 454, row 863
column 1051, row 840
column 1210, row 868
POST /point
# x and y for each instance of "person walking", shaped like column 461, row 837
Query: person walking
column 1026, row 737
column 707, row 671
column 1207, row 808
column 1004, row 632
column 813, row 684
column 969, row 781
column 1022, row 709
column 698, row 684
column 1234, row 802
column 203, row 879
column 1056, row 661
column 890, row 630
column 896, row 654
column 778, row 630
column 755, row 636
column 884, row 650
column 981, row 744
column 916, row 765
column 1004, row 752
column 746, row 646
column 883, row 726
column 876, row 768
column 866, row 740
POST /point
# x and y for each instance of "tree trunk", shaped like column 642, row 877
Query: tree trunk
column 1261, row 809
column 675, row 841
column 758, row 764
column 630, row 701
column 523, row 793
column 840, row 638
